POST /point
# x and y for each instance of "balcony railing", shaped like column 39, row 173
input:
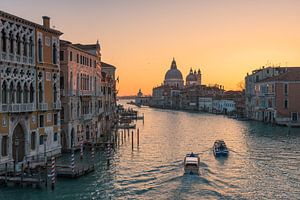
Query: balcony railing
column 87, row 116
column 17, row 108
column 43, row 106
column 16, row 58
column 57, row 105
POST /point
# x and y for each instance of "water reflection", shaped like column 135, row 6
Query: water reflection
column 263, row 162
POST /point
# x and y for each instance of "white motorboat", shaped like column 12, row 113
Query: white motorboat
column 191, row 164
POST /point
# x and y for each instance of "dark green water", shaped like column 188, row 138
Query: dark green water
column 264, row 163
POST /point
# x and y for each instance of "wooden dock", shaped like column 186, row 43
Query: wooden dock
column 65, row 171
column 22, row 181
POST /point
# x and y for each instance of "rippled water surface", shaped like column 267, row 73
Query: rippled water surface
column 264, row 163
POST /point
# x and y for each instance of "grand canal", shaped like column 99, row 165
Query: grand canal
column 264, row 163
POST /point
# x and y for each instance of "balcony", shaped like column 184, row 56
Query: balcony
column 18, row 108
column 57, row 105
column 9, row 57
column 85, row 92
column 87, row 116
column 43, row 106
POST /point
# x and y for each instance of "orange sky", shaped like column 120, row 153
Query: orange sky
column 224, row 38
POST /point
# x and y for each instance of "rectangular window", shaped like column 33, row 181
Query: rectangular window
column 32, row 139
column 285, row 89
column 286, row 104
column 55, row 119
column 294, row 116
column 41, row 139
column 41, row 122
column 4, row 145
column 71, row 55
column 55, row 137
column 61, row 55
column 49, row 117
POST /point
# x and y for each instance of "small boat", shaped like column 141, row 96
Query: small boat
column 191, row 164
column 220, row 148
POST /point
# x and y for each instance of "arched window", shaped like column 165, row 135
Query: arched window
column 30, row 47
column 25, row 93
column 54, row 93
column 40, row 50
column 18, row 44
column 31, row 91
column 3, row 41
column 24, row 46
column 54, row 54
column 19, row 93
column 11, row 93
column 11, row 41
column 40, row 93
column 4, row 92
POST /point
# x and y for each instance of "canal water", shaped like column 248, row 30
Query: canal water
column 264, row 162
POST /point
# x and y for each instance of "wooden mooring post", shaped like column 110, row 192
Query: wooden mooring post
column 138, row 137
column 132, row 140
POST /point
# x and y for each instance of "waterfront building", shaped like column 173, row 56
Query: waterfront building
column 250, row 80
column 223, row 106
column 81, row 94
column 277, row 98
column 29, row 75
column 108, row 88
column 205, row 104
column 140, row 99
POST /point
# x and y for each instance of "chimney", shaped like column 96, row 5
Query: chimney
column 46, row 21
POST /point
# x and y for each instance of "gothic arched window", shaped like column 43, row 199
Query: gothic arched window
column 54, row 54
column 30, row 47
column 31, row 91
column 25, row 93
column 18, row 44
column 19, row 93
column 11, row 40
column 3, row 41
column 40, row 50
column 4, row 92
column 40, row 93
column 11, row 93
column 24, row 46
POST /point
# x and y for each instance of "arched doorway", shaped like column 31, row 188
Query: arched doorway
column 63, row 140
column 18, row 144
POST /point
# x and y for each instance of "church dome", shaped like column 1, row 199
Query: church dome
column 191, row 76
column 173, row 72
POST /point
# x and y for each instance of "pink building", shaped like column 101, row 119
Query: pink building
column 277, row 98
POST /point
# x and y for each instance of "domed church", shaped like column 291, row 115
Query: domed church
column 193, row 78
column 173, row 76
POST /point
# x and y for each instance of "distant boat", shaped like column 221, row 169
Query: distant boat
column 191, row 164
column 220, row 148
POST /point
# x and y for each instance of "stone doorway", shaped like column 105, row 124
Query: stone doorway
column 18, row 144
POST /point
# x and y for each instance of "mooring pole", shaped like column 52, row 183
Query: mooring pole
column 81, row 148
column 5, row 174
column 53, row 172
column 138, row 137
column 73, row 160
column 132, row 140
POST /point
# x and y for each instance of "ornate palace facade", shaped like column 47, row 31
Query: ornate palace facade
column 29, row 98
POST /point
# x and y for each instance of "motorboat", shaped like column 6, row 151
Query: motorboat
column 220, row 148
column 191, row 164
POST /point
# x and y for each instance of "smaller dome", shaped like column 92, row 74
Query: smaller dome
column 191, row 77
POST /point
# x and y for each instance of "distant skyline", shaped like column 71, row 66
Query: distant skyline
column 224, row 38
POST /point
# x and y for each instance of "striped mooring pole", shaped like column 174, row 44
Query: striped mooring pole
column 73, row 161
column 81, row 148
column 53, row 172
column 93, row 153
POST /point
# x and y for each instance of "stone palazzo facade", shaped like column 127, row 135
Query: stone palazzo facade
column 30, row 89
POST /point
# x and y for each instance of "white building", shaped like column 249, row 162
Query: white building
column 223, row 106
column 205, row 104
